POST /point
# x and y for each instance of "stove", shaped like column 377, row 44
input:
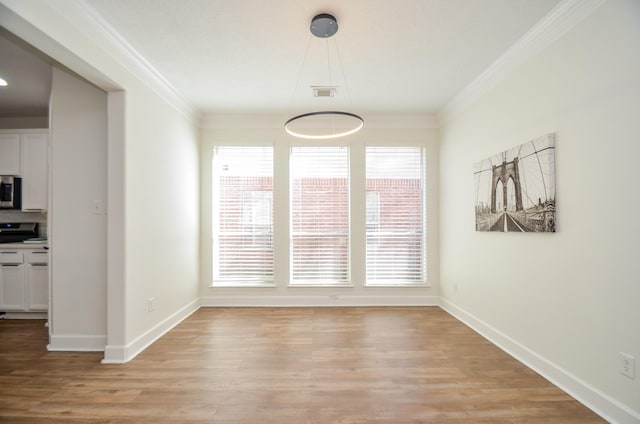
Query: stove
column 16, row 232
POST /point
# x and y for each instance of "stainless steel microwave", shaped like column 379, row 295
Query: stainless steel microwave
column 10, row 192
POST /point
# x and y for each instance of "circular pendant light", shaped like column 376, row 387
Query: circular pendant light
column 324, row 124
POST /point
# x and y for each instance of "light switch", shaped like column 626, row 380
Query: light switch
column 97, row 207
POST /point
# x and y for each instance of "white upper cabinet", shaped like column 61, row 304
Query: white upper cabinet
column 25, row 154
column 10, row 154
column 34, row 152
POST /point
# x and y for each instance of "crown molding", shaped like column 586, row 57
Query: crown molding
column 565, row 16
column 264, row 121
column 92, row 25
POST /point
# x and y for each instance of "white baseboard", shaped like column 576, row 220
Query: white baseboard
column 25, row 315
column 77, row 343
column 119, row 354
column 602, row 404
column 318, row 301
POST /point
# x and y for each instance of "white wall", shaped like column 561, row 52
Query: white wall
column 78, row 259
column 570, row 300
column 153, row 177
column 162, row 237
column 268, row 129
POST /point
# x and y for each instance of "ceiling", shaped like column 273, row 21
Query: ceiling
column 258, row 56
column 28, row 77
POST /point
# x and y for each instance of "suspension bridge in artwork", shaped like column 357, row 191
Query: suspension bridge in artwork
column 515, row 190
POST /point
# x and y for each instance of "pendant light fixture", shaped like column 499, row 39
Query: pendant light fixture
column 324, row 124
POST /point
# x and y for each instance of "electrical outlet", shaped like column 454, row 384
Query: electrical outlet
column 628, row 365
column 150, row 304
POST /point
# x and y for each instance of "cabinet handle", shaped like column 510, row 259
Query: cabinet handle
column 39, row 253
column 8, row 265
column 8, row 253
column 39, row 264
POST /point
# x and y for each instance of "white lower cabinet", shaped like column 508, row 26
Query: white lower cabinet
column 24, row 280
column 37, row 280
column 12, row 294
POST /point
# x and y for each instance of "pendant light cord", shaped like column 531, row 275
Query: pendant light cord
column 324, row 25
column 333, row 123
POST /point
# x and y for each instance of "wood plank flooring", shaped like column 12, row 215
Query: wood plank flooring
column 284, row 365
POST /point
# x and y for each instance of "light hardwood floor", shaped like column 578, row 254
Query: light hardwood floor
column 284, row 365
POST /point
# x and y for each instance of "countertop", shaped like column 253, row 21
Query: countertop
column 32, row 246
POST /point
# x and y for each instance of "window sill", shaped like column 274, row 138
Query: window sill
column 320, row 285
column 234, row 285
column 398, row 285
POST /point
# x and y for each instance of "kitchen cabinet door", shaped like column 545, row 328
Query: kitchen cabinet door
column 37, row 279
column 10, row 154
column 12, row 287
column 34, row 166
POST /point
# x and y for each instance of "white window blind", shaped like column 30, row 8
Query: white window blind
column 395, row 184
column 242, row 215
column 319, row 215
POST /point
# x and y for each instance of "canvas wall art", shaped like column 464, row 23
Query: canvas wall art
column 516, row 190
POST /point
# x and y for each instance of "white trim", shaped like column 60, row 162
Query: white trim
column 238, row 285
column 25, row 130
column 320, row 285
column 119, row 354
column 565, row 16
column 262, row 121
column 116, row 219
column 76, row 343
column 25, row 315
column 398, row 285
column 92, row 25
column 318, row 301
column 115, row 354
column 601, row 403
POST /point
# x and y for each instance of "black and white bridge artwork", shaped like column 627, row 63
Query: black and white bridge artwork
column 515, row 190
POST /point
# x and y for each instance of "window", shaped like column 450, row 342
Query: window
column 373, row 210
column 242, row 215
column 344, row 216
column 319, row 183
column 395, row 181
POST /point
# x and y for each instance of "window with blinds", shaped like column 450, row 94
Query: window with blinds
column 242, row 215
column 319, row 184
column 395, row 202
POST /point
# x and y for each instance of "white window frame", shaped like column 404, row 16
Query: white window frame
column 357, row 198
column 237, row 282
column 423, row 282
column 320, row 282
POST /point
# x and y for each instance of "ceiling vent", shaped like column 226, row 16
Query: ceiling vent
column 324, row 91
